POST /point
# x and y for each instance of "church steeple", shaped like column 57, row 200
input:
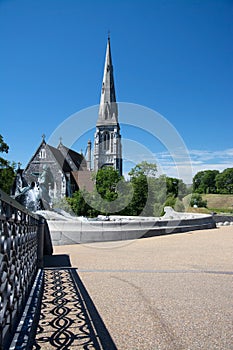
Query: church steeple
column 108, row 113
column 107, row 145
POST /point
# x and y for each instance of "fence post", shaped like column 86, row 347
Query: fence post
column 40, row 246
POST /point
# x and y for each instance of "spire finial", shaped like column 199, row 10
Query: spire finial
column 108, row 35
column 60, row 139
column 43, row 137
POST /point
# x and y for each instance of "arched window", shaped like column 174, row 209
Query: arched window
column 42, row 154
column 106, row 141
column 111, row 143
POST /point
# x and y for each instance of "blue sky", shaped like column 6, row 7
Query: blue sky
column 172, row 56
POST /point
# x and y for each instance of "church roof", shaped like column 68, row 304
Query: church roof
column 84, row 180
column 42, row 144
column 60, row 159
column 72, row 157
column 67, row 159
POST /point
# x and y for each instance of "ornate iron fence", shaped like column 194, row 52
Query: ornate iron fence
column 21, row 253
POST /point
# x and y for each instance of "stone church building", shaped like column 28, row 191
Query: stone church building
column 57, row 168
column 61, row 170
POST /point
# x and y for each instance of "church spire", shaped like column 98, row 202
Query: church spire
column 107, row 143
column 108, row 113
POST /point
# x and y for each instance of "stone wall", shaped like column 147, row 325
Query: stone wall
column 72, row 230
column 223, row 219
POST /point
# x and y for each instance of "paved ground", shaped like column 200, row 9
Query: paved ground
column 167, row 292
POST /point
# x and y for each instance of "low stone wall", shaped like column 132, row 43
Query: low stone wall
column 70, row 230
column 223, row 219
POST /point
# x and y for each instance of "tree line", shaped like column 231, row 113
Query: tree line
column 145, row 193
column 213, row 181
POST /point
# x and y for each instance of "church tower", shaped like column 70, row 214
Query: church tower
column 107, row 143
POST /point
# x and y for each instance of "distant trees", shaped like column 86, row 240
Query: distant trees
column 7, row 170
column 224, row 181
column 212, row 181
column 205, row 181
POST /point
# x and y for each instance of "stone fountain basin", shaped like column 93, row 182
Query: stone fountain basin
column 66, row 229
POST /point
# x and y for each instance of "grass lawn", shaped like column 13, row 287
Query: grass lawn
column 220, row 203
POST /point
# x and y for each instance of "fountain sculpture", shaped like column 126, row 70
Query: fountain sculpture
column 34, row 196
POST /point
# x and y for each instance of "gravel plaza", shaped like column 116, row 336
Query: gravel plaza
column 166, row 292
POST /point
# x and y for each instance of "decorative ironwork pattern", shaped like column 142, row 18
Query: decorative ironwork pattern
column 64, row 321
column 18, row 263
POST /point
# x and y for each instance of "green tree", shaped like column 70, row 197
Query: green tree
column 141, row 178
column 144, row 168
column 196, row 200
column 159, row 189
column 106, row 180
column 7, row 170
column 175, row 187
column 140, row 194
column 151, row 194
column 110, row 196
column 224, row 181
column 205, row 181
column 79, row 205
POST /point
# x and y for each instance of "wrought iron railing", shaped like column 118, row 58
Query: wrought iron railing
column 21, row 253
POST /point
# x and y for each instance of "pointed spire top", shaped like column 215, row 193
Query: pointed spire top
column 108, row 113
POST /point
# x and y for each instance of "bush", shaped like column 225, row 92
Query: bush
column 197, row 200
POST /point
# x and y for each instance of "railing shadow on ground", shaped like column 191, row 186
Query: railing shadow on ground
column 68, row 316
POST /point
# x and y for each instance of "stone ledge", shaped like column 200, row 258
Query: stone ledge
column 76, row 230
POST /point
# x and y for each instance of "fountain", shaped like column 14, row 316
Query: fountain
column 67, row 229
column 34, row 196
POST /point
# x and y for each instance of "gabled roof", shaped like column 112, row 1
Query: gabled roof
column 42, row 144
column 84, row 180
column 72, row 157
column 60, row 159
column 67, row 159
